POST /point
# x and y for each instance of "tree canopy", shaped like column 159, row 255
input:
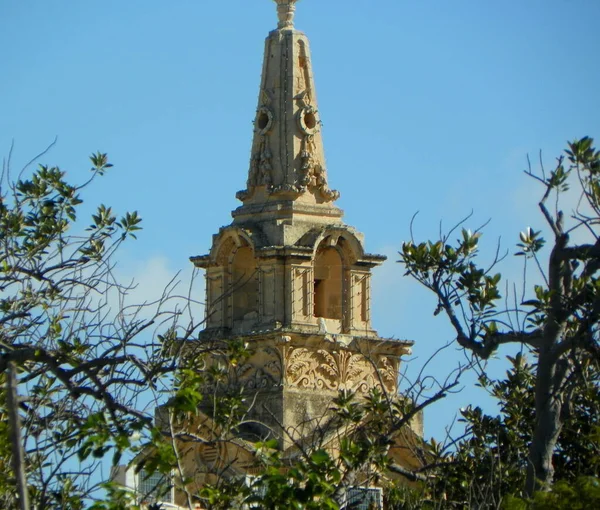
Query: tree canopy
column 82, row 355
column 83, row 370
column 557, row 322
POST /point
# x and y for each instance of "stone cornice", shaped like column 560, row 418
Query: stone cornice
column 278, row 209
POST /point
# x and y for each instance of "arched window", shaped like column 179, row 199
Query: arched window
column 244, row 284
column 328, row 284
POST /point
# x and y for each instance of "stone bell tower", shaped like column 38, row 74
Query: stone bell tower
column 288, row 276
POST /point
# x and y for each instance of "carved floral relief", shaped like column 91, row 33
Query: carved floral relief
column 338, row 370
column 313, row 369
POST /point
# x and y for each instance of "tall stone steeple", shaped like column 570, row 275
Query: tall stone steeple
column 287, row 275
column 287, row 178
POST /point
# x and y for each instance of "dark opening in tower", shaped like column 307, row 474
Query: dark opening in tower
column 244, row 284
column 328, row 284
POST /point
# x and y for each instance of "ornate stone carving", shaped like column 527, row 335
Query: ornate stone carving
column 313, row 174
column 262, row 370
column 338, row 370
column 288, row 189
column 388, row 372
column 260, row 173
column 307, row 369
column 260, row 164
column 285, row 12
column 308, row 120
column 225, row 251
column 264, row 120
column 260, row 167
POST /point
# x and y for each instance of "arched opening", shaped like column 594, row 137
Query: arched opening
column 328, row 284
column 244, row 285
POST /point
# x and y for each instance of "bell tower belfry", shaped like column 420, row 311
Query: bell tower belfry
column 288, row 276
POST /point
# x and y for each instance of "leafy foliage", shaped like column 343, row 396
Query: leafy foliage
column 559, row 324
column 581, row 494
column 490, row 464
column 64, row 324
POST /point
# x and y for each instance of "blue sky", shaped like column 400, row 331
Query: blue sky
column 427, row 106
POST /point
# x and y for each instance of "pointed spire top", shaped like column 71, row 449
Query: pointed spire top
column 285, row 12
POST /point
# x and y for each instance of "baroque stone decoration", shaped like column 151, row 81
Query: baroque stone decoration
column 288, row 277
column 313, row 176
column 287, row 159
column 338, row 370
column 263, row 370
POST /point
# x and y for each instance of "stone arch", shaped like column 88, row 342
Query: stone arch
column 337, row 251
column 232, row 284
column 228, row 241
column 349, row 245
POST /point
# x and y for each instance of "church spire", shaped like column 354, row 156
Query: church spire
column 287, row 163
column 288, row 277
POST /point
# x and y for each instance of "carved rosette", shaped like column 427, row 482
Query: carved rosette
column 338, row 370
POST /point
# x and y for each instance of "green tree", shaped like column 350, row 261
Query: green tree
column 582, row 494
column 490, row 463
column 82, row 354
column 558, row 322
column 350, row 450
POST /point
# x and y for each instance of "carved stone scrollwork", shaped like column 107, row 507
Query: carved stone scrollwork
column 340, row 370
column 264, row 120
column 389, row 374
column 260, row 166
column 313, row 175
column 262, row 370
column 242, row 195
column 289, row 189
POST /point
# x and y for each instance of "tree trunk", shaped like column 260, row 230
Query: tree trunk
column 18, row 455
column 548, row 423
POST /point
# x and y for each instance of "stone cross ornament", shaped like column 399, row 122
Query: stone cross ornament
column 285, row 12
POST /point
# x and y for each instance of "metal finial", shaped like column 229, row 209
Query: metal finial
column 285, row 12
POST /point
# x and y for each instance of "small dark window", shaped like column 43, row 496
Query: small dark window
column 263, row 120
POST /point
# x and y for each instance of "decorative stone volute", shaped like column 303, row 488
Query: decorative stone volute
column 285, row 11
